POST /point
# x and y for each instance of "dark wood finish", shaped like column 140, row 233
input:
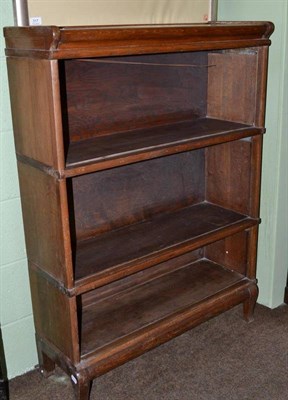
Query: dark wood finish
column 249, row 304
column 137, row 192
column 97, row 363
column 100, row 362
column 139, row 153
column 257, row 142
column 50, row 304
column 34, row 88
column 143, row 276
column 82, row 389
column 230, row 252
column 228, row 170
column 75, row 42
column 120, row 315
column 169, row 235
column 126, row 147
column 222, row 95
column 286, row 292
column 46, row 222
column 46, row 365
column 95, row 93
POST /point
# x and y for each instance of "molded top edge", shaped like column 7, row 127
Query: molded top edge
column 54, row 42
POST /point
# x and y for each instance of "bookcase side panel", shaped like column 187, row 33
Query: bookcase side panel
column 257, row 141
column 55, row 315
column 228, row 174
column 47, row 239
column 36, row 111
column 262, row 74
column 230, row 252
column 232, row 86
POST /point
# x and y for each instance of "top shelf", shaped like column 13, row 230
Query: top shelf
column 52, row 42
column 123, row 148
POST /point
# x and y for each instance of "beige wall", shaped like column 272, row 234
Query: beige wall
column 95, row 12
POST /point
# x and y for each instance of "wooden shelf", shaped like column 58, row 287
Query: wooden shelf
column 118, row 253
column 128, row 313
column 126, row 147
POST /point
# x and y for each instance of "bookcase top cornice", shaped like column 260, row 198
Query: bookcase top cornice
column 52, row 42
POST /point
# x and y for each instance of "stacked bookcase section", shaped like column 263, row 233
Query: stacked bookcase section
column 139, row 157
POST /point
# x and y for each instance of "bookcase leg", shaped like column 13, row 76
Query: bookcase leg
column 249, row 304
column 46, row 365
column 82, row 390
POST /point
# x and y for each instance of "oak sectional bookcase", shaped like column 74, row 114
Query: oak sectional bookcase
column 139, row 158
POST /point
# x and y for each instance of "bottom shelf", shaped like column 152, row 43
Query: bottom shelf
column 117, row 320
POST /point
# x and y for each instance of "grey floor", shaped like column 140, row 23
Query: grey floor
column 224, row 358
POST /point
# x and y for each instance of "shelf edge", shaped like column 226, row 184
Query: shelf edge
column 162, row 150
column 139, row 155
column 115, row 273
column 96, row 363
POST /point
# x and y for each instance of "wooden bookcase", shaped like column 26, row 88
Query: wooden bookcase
column 139, row 157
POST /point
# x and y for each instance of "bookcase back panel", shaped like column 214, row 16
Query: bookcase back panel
column 232, row 86
column 116, row 94
column 110, row 199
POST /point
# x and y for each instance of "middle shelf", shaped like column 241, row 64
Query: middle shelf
column 121, row 252
column 122, row 148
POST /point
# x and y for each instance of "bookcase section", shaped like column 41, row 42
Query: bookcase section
column 139, row 158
